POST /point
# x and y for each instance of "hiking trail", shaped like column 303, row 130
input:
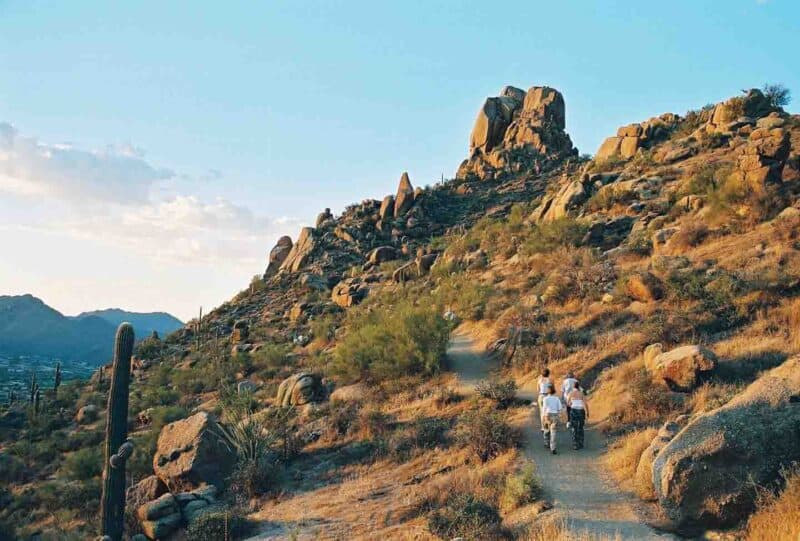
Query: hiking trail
column 580, row 491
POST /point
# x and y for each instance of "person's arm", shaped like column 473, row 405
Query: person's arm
column 586, row 406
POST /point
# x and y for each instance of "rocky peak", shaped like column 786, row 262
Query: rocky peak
column 515, row 131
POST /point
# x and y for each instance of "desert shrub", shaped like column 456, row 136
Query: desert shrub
column 649, row 402
column 464, row 515
column 444, row 396
column 83, row 464
column 609, row 164
column 464, row 296
column 521, row 488
column 375, row 424
column 777, row 94
column 691, row 234
column 486, row 433
column 217, row 526
column 546, row 237
column 430, row 432
column 778, row 514
column 623, row 456
column 343, row 415
column 7, row 531
column 12, row 469
column 387, row 342
column 503, row 392
column 244, row 433
column 252, row 477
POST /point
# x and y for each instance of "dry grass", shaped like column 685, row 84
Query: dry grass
column 778, row 516
column 710, row 396
column 555, row 529
column 623, row 456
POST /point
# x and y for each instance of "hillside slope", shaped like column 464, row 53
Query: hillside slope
column 664, row 273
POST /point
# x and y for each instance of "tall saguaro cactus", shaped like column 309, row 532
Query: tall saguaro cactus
column 117, row 448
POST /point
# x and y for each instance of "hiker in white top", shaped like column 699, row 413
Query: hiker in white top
column 578, row 411
column 551, row 410
column 543, row 387
column 566, row 387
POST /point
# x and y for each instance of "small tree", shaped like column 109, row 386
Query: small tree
column 777, row 94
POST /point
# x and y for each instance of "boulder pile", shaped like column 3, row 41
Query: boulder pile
column 640, row 135
column 517, row 130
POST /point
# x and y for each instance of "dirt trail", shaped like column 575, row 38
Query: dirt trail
column 573, row 481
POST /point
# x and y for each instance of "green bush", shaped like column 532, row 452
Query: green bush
column 217, row 526
column 546, row 237
column 486, row 433
column 521, row 488
column 430, row 432
column 252, row 477
column 83, row 464
column 464, row 515
column 385, row 342
column 503, row 392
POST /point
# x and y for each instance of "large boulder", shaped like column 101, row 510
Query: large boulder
column 87, row 414
column 240, row 332
column 382, row 254
column 349, row 292
column 191, row 453
column 300, row 253
column 493, row 119
column 643, row 479
column 300, row 389
column 682, row 368
column 323, row 218
column 387, row 209
column 146, row 490
column 278, row 255
column 761, row 161
column 707, row 476
column 160, row 517
column 404, row 199
column 559, row 204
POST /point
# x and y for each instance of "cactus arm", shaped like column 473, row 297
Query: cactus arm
column 117, row 448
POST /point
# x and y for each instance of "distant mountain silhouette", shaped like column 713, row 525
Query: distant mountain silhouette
column 28, row 326
column 143, row 323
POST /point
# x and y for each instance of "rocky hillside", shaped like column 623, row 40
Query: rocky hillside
column 664, row 272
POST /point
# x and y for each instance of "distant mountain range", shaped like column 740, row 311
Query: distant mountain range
column 28, row 326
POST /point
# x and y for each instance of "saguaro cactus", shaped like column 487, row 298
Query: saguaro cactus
column 34, row 388
column 57, row 378
column 117, row 448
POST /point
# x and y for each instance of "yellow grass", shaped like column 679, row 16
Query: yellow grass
column 778, row 517
column 623, row 456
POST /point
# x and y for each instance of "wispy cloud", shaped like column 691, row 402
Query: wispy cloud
column 108, row 196
column 116, row 174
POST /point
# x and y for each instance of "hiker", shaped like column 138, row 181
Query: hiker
column 566, row 387
column 543, row 385
column 579, row 412
column 551, row 409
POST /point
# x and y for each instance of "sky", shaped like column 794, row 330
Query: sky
column 152, row 152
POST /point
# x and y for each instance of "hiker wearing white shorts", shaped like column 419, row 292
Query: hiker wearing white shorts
column 543, row 388
column 551, row 411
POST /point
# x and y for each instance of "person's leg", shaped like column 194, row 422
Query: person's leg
column 545, row 430
column 580, row 422
column 573, row 427
column 553, row 423
column 569, row 417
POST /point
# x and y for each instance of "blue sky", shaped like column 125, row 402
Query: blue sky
column 181, row 139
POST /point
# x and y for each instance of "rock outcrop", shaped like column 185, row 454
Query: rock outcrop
column 349, row 292
column 404, row 199
column 631, row 138
column 300, row 389
column 760, row 162
column 706, row 477
column 517, row 131
column 643, row 480
column 682, row 368
column 300, row 253
column 190, row 454
column 278, row 255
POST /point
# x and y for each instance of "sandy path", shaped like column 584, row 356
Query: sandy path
column 573, row 481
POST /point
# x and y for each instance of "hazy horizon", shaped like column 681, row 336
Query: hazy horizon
column 151, row 155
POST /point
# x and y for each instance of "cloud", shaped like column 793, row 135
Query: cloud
column 29, row 167
column 115, row 197
column 183, row 229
